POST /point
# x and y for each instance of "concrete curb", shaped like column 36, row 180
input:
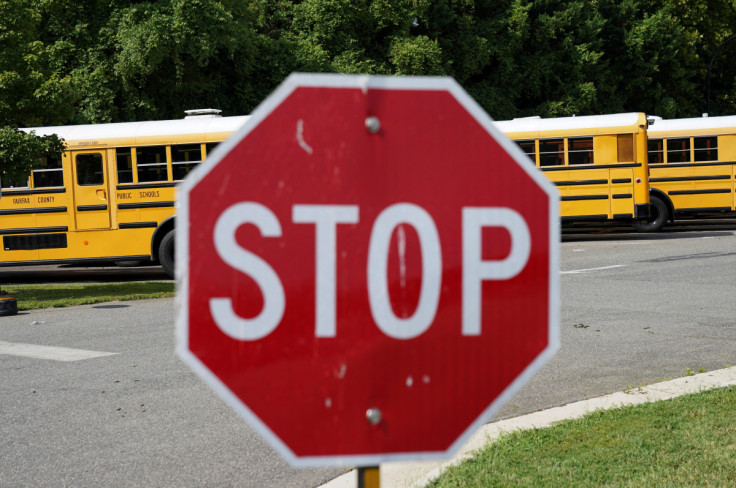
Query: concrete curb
column 418, row 474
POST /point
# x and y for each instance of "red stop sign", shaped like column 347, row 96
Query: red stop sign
column 367, row 269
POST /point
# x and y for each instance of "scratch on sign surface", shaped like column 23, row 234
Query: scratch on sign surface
column 364, row 84
column 343, row 369
column 300, row 137
column 402, row 255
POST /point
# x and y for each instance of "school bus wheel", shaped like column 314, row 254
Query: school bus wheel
column 8, row 305
column 659, row 213
column 166, row 253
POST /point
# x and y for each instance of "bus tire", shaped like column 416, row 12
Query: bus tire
column 129, row 264
column 657, row 219
column 166, row 253
column 8, row 305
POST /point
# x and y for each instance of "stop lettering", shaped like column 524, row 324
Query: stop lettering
column 325, row 218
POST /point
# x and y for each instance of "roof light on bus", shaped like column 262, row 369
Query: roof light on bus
column 202, row 113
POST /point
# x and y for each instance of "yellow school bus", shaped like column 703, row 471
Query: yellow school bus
column 597, row 162
column 111, row 194
column 692, row 164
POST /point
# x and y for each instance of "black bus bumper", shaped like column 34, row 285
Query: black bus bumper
column 642, row 211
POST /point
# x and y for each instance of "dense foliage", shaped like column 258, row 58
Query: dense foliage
column 23, row 150
column 64, row 61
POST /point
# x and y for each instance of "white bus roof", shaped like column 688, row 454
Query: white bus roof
column 576, row 123
column 147, row 129
column 695, row 125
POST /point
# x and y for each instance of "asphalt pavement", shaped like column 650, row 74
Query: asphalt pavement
column 636, row 309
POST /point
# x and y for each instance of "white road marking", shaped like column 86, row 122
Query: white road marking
column 588, row 270
column 49, row 352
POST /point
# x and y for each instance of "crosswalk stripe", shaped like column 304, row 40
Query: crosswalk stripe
column 49, row 352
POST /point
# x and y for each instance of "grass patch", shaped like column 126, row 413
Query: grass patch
column 686, row 441
column 30, row 297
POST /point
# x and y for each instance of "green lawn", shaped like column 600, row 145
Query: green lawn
column 689, row 441
column 31, row 297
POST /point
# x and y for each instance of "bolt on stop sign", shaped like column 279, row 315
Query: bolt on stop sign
column 367, row 269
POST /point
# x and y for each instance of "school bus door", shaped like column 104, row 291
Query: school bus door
column 91, row 192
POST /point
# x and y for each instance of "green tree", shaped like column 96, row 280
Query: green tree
column 20, row 152
column 521, row 57
column 707, row 25
column 32, row 92
column 156, row 59
column 651, row 64
column 63, row 61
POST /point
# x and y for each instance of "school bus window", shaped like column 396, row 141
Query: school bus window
column 678, row 150
column 184, row 158
column 49, row 172
column 124, row 161
column 8, row 183
column 705, row 148
column 210, row 146
column 655, row 150
column 580, row 150
column 625, row 147
column 89, row 169
column 529, row 147
column 552, row 152
column 151, row 162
